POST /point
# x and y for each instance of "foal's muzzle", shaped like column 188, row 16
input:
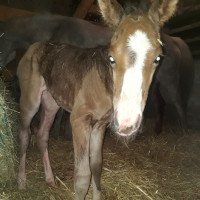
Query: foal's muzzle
column 127, row 127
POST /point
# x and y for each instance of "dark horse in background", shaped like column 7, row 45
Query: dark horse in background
column 17, row 34
column 172, row 82
column 21, row 32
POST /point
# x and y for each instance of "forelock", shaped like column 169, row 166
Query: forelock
column 139, row 44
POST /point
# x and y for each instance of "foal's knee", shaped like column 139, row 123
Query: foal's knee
column 24, row 137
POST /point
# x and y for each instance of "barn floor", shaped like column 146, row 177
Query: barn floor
column 163, row 168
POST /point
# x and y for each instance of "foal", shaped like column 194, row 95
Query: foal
column 95, row 91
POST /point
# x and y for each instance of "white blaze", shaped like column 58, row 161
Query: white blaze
column 130, row 102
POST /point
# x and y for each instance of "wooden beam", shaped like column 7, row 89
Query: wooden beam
column 195, row 39
column 83, row 8
column 8, row 12
column 188, row 34
column 185, row 28
column 184, row 19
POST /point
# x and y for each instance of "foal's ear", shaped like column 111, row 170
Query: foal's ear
column 163, row 10
column 111, row 11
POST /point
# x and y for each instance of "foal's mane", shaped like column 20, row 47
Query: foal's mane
column 137, row 7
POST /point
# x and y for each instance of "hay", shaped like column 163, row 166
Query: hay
column 153, row 168
column 7, row 141
column 165, row 167
column 159, row 168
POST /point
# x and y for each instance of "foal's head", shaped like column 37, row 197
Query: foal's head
column 134, row 54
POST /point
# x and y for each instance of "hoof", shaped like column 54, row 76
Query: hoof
column 51, row 183
column 97, row 195
column 21, row 184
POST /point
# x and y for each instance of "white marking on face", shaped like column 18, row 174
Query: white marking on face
column 130, row 106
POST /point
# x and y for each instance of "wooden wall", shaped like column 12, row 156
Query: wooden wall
column 62, row 7
column 187, row 24
column 8, row 12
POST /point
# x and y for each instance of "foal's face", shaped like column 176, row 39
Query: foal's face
column 134, row 54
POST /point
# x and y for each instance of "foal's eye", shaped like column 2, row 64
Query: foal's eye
column 112, row 61
column 158, row 59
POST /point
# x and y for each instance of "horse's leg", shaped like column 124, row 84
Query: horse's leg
column 48, row 112
column 27, row 111
column 175, row 96
column 96, row 142
column 180, row 110
column 159, row 107
column 66, row 126
column 56, row 128
column 81, row 140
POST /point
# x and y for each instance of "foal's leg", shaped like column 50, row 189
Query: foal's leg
column 81, row 139
column 28, row 108
column 49, row 109
column 56, row 127
column 96, row 142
